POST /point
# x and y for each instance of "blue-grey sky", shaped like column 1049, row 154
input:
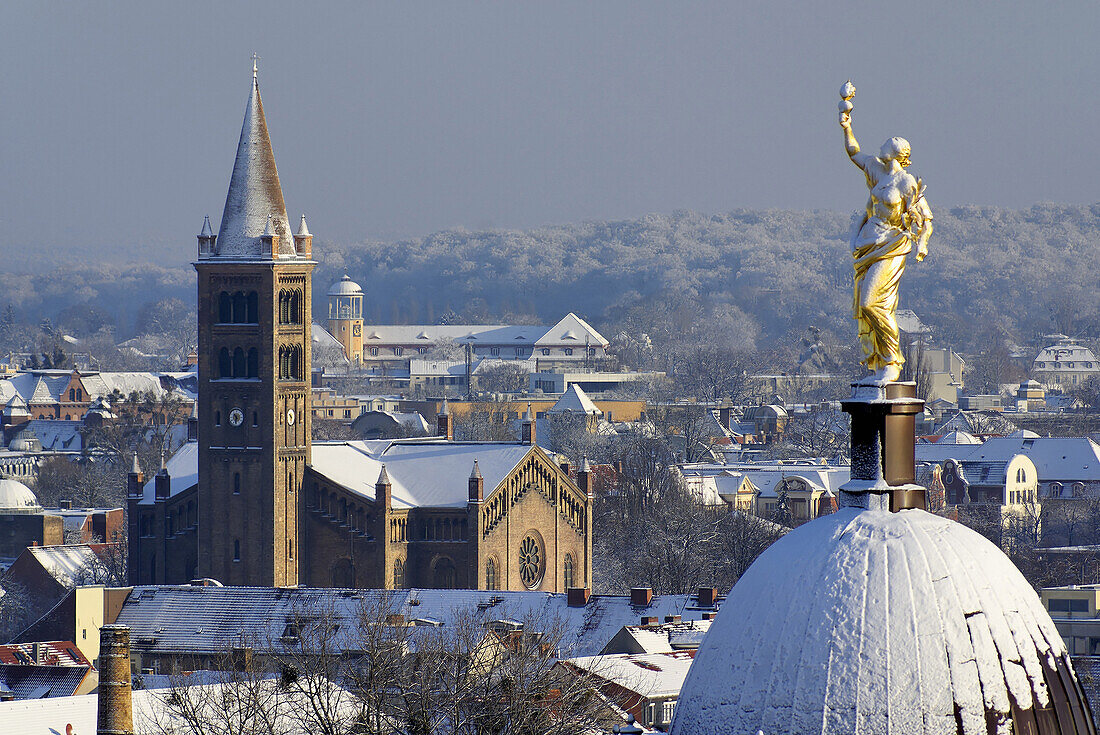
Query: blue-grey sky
column 118, row 121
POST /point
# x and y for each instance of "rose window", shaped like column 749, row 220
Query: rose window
column 530, row 562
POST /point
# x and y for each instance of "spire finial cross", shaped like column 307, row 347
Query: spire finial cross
column 255, row 58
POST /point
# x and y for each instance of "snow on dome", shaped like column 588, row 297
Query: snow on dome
column 15, row 497
column 958, row 437
column 1023, row 434
column 876, row 622
column 345, row 287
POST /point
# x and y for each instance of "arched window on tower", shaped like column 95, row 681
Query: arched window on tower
column 240, row 366
column 490, row 575
column 567, row 576
column 253, row 363
column 444, row 577
column 240, row 308
column 253, row 308
column 398, row 574
column 225, row 307
column 225, row 367
column 284, row 307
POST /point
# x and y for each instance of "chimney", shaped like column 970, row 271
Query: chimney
column 193, row 423
column 270, row 239
column 641, row 597
column 65, row 504
column 577, row 596
column 672, row 618
column 162, row 483
column 707, row 596
column 725, row 414
column 396, row 620
column 649, row 620
column 707, row 616
column 38, row 652
column 116, row 711
column 303, row 240
column 527, row 433
column 241, row 658
column 382, row 490
column 584, row 478
column 206, row 239
column 445, row 422
column 477, row 485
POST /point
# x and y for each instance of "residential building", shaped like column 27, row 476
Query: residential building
column 645, row 685
column 1064, row 364
column 44, row 670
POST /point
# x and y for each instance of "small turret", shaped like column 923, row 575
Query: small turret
column 303, row 240
column 477, row 485
column 528, row 431
column 383, row 490
column 207, row 239
column 269, row 241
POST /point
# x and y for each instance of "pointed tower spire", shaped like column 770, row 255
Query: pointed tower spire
column 383, row 477
column 303, row 230
column 136, row 469
column 206, row 231
column 254, row 189
column 476, row 472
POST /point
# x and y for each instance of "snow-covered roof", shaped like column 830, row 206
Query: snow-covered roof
column 767, row 476
column 254, row 191
column 662, row 638
column 53, row 436
column 66, row 563
column 183, row 470
column 426, row 334
column 575, row 400
column 1066, row 356
column 571, row 331
column 345, row 286
column 430, row 472
column 15, row 497
column 1057, row 459
column 875, row 622
column 209, row 619
column 958, row 437
column 649, row 675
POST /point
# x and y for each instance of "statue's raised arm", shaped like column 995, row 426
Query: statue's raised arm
column 897, row 215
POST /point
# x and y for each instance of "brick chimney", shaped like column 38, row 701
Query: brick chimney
column 527, row 432
column 477, row 485
column 707, row 596
column 725, row 414
column 584, row 478
column 641, row 596
column 116, row 710
column 445, row 422
column 649, row 620
column 162, row 482
column 577, row 596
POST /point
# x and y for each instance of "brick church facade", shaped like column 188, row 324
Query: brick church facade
column 254, row 501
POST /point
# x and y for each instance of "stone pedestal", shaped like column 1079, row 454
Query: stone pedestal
column 883, row 440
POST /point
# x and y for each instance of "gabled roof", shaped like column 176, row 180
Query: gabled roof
column 649, row 675
column 66, row 563
column 209, row 619
column 254, row 191
column 574, row 400
column 429, row 472
column 42, row 393
column 572, row 331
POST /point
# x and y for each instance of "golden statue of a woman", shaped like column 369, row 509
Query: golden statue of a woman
column 897, row 216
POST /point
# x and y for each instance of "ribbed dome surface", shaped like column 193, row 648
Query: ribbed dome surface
column 15, row 496
column 875, row 622
column 345, row 287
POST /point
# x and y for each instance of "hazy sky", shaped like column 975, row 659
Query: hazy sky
column 119, row 120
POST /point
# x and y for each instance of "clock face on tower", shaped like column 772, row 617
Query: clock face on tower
column 357, row 330
column 290, row 417
column 236, row 417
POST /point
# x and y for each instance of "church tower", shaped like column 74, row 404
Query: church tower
column 254, row 281
column 345, row 317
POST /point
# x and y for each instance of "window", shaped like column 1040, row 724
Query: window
column 255, row 419
column 494, row 350
column 72, row 394
column 236, row 549
column 225, row 366
column 374, row 352
column 253, row 366
column 290, row 362
column 545, row 351
column 568, row 351
column 531, row 562
column 240, row 364
column 1068, row 606
column 253, row 308
column 520, row 351
column 422, row 350
column 398, row 574
column 236, row 483
column 490, row 575
column 290, row 307
column 667, row 708
column 240, row 308
column 567, row 576
column 225, row 308
column 290, row 548
column 397, row 351
column 217, row 418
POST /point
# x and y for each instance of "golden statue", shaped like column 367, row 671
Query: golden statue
column 897, row 216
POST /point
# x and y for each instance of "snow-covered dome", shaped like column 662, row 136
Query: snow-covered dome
column 345, row 287
column 877, row 622
column 958, row 437
column 15, row 497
